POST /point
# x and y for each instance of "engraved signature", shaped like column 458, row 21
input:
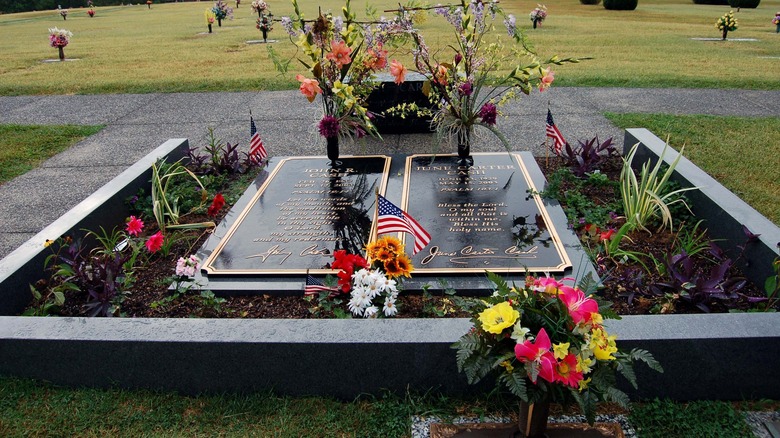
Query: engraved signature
column 467, row 253
column 284, row 253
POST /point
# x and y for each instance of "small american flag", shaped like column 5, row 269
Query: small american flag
column 314, row 286
column 391, row 219
column 555, row 134
column 256, row 150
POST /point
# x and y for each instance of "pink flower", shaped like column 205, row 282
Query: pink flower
column 329, row 127
column 441, row 75
column 309, row 87
column 339, row 53
column 581, row 308
column 547, row 79
column 539, row 354
column 155, row 242
column 134, row 226
column 566, row 371
column 216, row 204
column 488, row 113
column 398, row 71
column 465, row 89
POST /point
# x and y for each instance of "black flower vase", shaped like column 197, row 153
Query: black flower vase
column 62, row 53
column 265, row 35
column 535, row 22
column 533, row 419
column 209, row 27
column 219, row 22
column 464, row 149
column 333, row 148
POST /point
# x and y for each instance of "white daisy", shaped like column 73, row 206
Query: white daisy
column 370, row 312
column 390, row 308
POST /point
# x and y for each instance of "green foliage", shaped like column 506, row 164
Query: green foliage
column 325, row 303
column 664, row 418
column 647, row 198
column 24, row 147
column 565, row 187
column 166, row 194
column 621, row 5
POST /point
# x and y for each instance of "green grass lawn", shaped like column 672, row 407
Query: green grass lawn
column 740, row 152
column 132, row 49
column 23, row 148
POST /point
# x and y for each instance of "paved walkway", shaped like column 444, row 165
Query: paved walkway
column 136, row 124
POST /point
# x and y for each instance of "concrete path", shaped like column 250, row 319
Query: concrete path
column 136, row 124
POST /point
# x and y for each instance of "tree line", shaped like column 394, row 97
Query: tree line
column 11, row 6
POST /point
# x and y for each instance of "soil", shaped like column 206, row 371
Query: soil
column 150, row 291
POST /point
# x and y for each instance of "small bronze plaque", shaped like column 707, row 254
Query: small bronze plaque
column 305, row 210
column 480, row 217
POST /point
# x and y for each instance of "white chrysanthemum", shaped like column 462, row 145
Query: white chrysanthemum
column 359, row 277
column 390, row 308
column 381, row 282
column 373, row 290
column 391, row 287
column 361, row 297
column 371, row 312
column 355, row 307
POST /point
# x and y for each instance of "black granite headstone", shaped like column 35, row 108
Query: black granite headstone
column 304, row 211
column 480, row 217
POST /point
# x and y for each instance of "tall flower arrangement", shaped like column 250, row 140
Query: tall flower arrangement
column 221, row 11
column 59, row 38
column 259, row 6
column 463, row 80
column 547, row 343
column 727, row 23
column 538, row 15
column 340, row 55
column 63, row 13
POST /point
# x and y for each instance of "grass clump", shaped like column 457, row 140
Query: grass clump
column 664, row 419
column 23, row 147
column 739, row 152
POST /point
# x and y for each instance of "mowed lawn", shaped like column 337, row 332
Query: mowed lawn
column 133, row 49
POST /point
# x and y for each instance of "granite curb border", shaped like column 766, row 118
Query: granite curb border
column 702, row 354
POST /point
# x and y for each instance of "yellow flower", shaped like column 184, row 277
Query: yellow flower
column 507, row 366
column 495, row 319
column 47, row 243
column 584, row 363
column 583, row 384
column 342, row 90
column 561, row 350
column 602, row 344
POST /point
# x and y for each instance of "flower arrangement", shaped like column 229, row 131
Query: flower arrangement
column 463, row 83
column 547, row 342
column 210, row 17
column 63, row 13
column 91, row 12
column 727, row 23
column 259, row 6
column 378, row 279
column 341, row 55
column 59, row 38
column 538, row 14
column 149, row 4
column 221, row 11
column 776, row 21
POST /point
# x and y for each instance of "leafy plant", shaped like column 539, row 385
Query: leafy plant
column 588, row 155
column 699, row 287
column 565, row 187
column 691, row 241
column 646, row 198
column 210, row 304
column 165, row 203
column 219, row 158
column 326, row 302
column 772, row 290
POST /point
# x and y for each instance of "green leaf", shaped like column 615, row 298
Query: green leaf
column 646, row 357
column 617, row 396
column 627, row 371
column 515, row 382
column 59, row 298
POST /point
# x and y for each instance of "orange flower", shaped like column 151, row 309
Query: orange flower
column 398, row 71
column 548, row 76
column 309, row 87
column 376, row 59
column 339, row 53
column 441, row 75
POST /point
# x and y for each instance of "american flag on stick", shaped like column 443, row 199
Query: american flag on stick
column 555, row 134
column 392, row 219
column 314, row 286
column 256, row 150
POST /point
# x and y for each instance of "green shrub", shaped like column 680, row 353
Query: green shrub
column 620, row 5
column 750, row 4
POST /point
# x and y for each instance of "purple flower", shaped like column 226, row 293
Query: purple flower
column 511, row 25
column 465, row 89
column 329, row 127
column 488, row 113
column 458, row 58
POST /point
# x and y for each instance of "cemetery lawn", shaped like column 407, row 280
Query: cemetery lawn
column 24, row 147
column 132, row 49
column 740, row 152
column 30, row 407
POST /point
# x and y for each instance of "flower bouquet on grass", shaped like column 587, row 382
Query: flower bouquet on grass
column 259, row 6
column 59, row 38
column 727, row 23
column 466, row 83
column 547, row 343
column 776, row 22
column 221, row 11
column 538, row 15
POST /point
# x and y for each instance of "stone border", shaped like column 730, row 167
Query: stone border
column 723, row 356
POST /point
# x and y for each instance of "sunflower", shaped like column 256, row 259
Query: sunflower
column 383, row 255
column 404, row 265
column 392, row 269
column 392, row 244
